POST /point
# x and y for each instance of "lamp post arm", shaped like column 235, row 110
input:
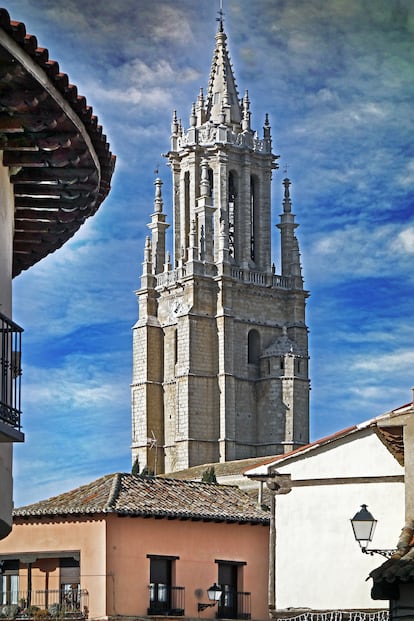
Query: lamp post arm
column 371, row 552
column 201, row 606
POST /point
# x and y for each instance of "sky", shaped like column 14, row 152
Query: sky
column 337, row 79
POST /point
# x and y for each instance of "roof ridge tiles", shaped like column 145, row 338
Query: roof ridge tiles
column 114, row 492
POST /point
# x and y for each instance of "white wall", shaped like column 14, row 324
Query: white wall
column 319, row 565
column 6, row 258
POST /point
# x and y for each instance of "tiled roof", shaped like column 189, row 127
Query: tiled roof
column 400, row 567
column 394, row 570
column 221, row 469
column 393, row 438
column 127, row 494
column 59, row 159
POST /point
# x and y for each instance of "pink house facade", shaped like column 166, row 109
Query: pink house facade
column 131, row 546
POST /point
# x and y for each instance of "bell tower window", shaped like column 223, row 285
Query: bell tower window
column 253, row 347
column 186, row 211
column 211, row 181
column 253, row 216
column 232, row 214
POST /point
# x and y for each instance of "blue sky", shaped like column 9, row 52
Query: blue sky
column 337, row 79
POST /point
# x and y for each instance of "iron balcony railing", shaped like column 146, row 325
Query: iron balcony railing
column 234, row 605
column 65, row 604
column 331, row 615
column 166, row 600
column 10, row 372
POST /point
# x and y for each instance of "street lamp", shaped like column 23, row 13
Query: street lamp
column 363, row 524
column 214, row 595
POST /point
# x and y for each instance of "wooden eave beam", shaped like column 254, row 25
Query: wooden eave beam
column 39, row 238
column 42, row 141
column 60, row 176
column 37, row 226
column 52, row 215
column 53, row 189
column 61, row 157
column 76, row 203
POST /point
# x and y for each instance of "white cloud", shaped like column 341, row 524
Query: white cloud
column 140, row 87
column 80, row 285
column 173, row 25
column 82, row 382
column 357, row 251
column 390, row 362
column 404, row 242
column 406, row 177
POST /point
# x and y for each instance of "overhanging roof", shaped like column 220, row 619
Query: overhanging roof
column 59, row 159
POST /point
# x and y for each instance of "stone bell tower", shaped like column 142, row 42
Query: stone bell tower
column 220, row 348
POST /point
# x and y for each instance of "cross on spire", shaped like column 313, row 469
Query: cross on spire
column 220, row 14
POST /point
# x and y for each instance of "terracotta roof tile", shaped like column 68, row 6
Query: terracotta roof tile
column 393, row 439
column 394, row 570
column 221, row 469
column 127, row 494
column 400, row 567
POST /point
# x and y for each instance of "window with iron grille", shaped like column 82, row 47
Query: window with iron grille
column 9, row 582
column 165, row 597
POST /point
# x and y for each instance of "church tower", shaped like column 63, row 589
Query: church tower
column 220, row 349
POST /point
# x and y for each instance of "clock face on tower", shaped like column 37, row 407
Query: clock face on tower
column 178, row 309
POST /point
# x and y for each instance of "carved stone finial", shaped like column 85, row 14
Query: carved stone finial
column 286, row 183
column 204, row 181
column 158, row 202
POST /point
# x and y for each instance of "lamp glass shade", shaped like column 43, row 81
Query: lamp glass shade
column 214, row 593
column 363, row 525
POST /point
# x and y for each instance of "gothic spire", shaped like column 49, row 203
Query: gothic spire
column 289, row 244
column 158, row 227
column 222, row 98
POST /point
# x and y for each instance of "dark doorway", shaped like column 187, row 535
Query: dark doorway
column 160, row 585
column 227, row 579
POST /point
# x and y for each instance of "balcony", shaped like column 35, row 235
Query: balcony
column 166, row 600
column 234, row 605
column 10, row 380
column 41, row 605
